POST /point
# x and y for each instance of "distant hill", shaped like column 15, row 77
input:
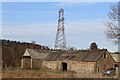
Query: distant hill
column 12, row 51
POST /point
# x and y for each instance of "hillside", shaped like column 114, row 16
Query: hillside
column 12, row 52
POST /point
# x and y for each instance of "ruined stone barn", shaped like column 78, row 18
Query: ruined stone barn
column 93, row 60
column 32, row 58
column 116, row 57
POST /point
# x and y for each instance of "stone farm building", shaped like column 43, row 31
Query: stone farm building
column 116, row 57
column 32, row 58
column 93, row 60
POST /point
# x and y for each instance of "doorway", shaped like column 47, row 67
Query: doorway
column 64, row 66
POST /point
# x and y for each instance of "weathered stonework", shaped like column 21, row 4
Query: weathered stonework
column 26, row 63
column 52, row 65
column 36, row 64
column 82, row 66
column 106, row 61
column 83, row 61
column 75, row 66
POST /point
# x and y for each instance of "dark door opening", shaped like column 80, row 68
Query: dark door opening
column 64, row 66
column 116, row 65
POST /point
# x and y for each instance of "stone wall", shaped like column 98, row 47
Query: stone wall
column 106, row 61
column 29, row 63
column 52, row 65
column 75, row 66
column 82, row 67
column 36, row 64
column 26, row 63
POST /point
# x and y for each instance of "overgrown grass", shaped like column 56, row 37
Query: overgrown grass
column 10, row 68
column 43, row 73
column 27, row 73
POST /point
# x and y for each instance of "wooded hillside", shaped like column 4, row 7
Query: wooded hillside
column 12, row 52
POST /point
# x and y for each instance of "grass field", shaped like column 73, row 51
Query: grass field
column 27, row 73
column 20, row 73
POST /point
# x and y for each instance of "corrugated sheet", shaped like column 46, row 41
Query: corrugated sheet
column 93, row 56
column 81, row 55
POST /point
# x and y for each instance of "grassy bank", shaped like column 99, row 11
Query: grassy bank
column 27, row 73
column 24, row 73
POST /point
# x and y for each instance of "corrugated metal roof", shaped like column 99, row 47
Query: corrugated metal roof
column 75, row 55
column 93, row 55
column 81, row 55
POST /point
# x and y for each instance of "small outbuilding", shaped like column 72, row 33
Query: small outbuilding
column 32, row 58
column 116, row 57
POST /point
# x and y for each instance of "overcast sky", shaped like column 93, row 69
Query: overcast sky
column 37, row 21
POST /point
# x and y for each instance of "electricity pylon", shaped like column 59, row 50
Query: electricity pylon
column 60, row 42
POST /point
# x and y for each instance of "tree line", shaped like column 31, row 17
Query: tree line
column 12, row 51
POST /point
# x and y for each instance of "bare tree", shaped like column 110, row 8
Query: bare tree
column 113, row 29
